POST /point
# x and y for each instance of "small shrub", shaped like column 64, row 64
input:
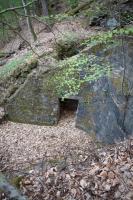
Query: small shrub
column 78, row 70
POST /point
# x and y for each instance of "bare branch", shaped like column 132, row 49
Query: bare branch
column 29, row 23
column 16, row 8
column 40, row 21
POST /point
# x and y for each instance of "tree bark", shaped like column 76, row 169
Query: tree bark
column 44, row 4
column 38, row 8
column 27, row 13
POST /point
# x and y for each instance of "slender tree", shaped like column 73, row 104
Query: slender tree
column 27, row 13
column 44, row 4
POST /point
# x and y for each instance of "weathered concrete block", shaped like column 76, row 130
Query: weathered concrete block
column 34, row 102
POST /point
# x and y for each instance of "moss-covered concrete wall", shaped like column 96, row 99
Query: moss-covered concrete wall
column 14, row 74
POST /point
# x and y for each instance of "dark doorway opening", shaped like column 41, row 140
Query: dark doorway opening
column 68, row 106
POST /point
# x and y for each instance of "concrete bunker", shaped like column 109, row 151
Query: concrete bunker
column 101, row 106
column 68, row 105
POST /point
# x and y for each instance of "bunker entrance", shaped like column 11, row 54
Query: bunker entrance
column 68, row 106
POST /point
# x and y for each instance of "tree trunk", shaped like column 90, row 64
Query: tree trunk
column 38, row 8
column 44, row 7
column 27, row 13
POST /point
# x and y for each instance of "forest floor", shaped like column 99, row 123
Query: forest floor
column 63, row 162
column 24, row 144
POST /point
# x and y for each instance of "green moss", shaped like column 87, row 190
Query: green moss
column 16, row 181
column 14, row 66
column 13, row 74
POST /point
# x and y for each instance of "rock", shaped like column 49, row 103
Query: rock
column 50, row 172
column 58, row 194
column 31, row 172
column 107, row 187
column 112, row 23
column 83, row 183
column 68, row 177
